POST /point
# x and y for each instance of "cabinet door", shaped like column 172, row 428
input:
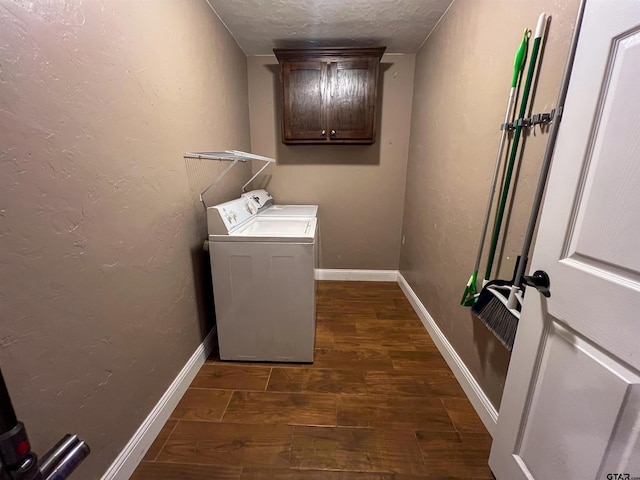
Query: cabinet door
column 303, row 106
column 351, row 99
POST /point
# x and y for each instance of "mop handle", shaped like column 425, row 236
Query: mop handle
column 551, row 143
column 518, row 66
column 514, row 146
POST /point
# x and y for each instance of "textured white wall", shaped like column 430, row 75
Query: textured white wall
column 101, row 269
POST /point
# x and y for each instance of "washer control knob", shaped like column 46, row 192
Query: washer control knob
column 251, row 208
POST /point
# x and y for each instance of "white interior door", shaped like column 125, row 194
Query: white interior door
column 571, row 406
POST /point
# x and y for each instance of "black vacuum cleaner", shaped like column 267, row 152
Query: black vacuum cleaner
column 18, row 462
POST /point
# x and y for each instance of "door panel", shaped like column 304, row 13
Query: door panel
column 304, row 111
column 603, row 222
column 622, row 455
column 570, row 405
column 598, row 174
column 352, row 97
column 582, row 414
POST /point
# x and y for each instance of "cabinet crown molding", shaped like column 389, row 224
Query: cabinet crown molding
column 337, row 52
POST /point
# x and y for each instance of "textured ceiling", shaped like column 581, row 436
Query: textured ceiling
column 261, row 25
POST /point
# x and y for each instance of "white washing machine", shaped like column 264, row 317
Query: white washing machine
column 265, row 203
column 263, row 282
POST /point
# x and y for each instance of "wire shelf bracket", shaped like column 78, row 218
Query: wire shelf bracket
column 233, row 156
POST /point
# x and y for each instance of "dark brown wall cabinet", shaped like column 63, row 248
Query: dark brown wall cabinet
column 329, row 94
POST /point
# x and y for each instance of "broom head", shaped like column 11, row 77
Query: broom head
column 491, row 308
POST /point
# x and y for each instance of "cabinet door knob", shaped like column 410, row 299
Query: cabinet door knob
column 324, row 132
column 333, row 133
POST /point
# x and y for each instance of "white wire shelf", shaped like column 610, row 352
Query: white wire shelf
column 233, row 156
column 228, row 155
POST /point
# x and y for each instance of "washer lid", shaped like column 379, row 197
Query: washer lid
column 273, row 229
column 290, row 211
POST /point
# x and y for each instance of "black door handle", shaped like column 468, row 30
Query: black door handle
column 540, row 281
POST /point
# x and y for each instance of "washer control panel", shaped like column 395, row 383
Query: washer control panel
column 224, row 218
column 260, row 197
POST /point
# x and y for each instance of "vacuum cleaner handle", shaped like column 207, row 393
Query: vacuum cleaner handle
column 16, row 457
column 8, row 418
column 18, row 462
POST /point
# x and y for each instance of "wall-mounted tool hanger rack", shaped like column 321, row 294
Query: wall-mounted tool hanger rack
column 537, row 119
column 233, row 156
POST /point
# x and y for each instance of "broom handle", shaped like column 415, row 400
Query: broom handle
column 551, row 143
column 514, row 146
column 518, row 66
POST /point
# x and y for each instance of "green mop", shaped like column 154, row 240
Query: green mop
column 470, row 294
column 485, row 306
column 500, row 302
column 514, row 145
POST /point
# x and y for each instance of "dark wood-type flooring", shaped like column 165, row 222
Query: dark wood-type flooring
column 378, row 403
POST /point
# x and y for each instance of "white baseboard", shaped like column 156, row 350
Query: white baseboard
column 126, row 462
column 357, row 275
column 483, row 406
